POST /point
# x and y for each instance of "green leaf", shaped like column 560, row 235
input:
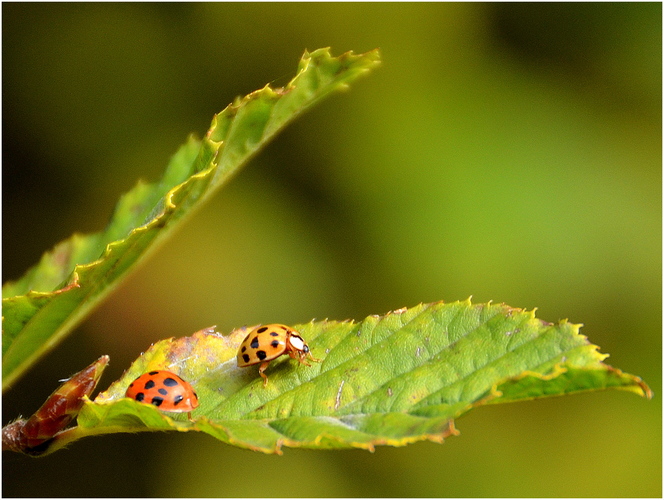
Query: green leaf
column 388, row 380
column 52, row 297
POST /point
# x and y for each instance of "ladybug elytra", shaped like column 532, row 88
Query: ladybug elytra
column 165, row 390
column 266, row 343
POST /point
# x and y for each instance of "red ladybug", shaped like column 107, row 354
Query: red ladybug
column 165, row 390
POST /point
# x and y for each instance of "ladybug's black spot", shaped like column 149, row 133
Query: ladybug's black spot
column 163, row 392
column 244, row 348
column 140, row 396
column 177, row 400
column 254, row 343
column 170, row 382
column 274, row 343
column 154, row 373
column 246, row 358
column 261, row 330
column 149, row 384
column 274, row 334
column 157, row 401
column 131, row 385
column 261, row 355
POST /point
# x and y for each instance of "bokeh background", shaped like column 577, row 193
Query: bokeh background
column 511, row 152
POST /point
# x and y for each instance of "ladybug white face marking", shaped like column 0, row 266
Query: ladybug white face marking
column 265, row 343
column 297, row 343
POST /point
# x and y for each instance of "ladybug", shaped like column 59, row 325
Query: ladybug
column 265, row 343
column 165, row 390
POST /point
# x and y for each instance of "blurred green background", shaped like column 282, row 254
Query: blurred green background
column 511, row 152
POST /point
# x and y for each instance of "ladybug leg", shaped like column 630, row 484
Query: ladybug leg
column 303, row 358
column 261, row 370
column 299, row 356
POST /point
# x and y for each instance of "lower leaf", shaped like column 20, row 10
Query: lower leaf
column 387, row 380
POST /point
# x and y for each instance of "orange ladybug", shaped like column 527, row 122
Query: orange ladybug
column 165, row 390
column 265, row 343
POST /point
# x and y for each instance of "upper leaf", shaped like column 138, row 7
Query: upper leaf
column 52, row 297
